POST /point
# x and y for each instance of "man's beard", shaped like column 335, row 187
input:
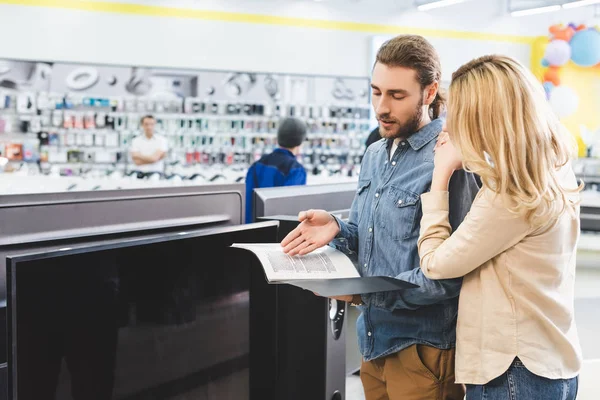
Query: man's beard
column 405, row 130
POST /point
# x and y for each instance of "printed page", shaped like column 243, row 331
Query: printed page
column 323, row 263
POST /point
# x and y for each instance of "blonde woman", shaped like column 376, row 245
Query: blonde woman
column 516, row 334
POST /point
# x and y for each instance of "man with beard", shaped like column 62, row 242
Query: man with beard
column 407, row 338
column 374, row 136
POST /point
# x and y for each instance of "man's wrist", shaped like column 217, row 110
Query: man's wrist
column 357, row 300
column 337, row 222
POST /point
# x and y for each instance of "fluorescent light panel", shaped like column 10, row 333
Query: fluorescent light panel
column 537, row 10
column 580, row 3
column 541, row 10
column 438, row 4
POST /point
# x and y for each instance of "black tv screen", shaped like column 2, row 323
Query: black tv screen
column 148, row 319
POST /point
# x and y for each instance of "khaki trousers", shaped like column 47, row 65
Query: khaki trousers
column 418, row 372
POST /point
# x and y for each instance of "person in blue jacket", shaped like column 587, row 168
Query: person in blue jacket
column 280, row 168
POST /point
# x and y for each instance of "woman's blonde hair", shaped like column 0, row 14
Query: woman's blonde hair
column 507, row 134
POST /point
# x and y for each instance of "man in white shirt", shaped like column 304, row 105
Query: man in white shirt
column 149, row 150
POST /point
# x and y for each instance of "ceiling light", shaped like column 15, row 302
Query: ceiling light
column 532, row 11
column 580, row 3
column 438, row 4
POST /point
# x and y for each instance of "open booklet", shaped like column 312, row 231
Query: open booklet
column 326, row 271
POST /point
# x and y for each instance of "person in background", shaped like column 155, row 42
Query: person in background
column 149, row 150
column 407, row 337
column 516, row 334
column 280, row 168
column 373, row 137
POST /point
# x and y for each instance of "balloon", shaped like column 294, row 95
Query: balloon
column 558, row 53
column 564, row 101
column 548, row 87
column 561, row 33
column 585, row 48
column 545, row 63
column 552, row 76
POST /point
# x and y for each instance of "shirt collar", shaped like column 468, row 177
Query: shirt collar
column 424, row 135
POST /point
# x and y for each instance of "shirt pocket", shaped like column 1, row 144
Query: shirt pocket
column 361, row 198
column 400, row 210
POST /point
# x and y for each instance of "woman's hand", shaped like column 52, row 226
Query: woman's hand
column 447, row 160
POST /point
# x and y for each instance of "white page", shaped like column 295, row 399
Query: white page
column 323, row 263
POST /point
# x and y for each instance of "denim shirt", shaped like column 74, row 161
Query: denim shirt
column 381, row 236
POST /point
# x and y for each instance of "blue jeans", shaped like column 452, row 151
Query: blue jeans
column 519, row 384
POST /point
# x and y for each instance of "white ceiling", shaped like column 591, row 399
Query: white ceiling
column 501, row 6
column 472, row 15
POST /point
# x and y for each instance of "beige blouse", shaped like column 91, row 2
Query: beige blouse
column 517, row 294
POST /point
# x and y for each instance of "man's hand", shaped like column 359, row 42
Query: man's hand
column 140, row 159
column 347, row 298
column 316, row 229
column 158, row 155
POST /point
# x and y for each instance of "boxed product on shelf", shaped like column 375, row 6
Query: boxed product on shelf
column 209, row 118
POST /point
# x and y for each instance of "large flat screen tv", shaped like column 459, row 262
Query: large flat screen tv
column 152, row 317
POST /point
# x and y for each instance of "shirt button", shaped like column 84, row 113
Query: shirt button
column 403, row 143
column 365, row 265
column 394, row 163
column 400, row 201
column 370, row 229
column 376, row 194
column 369, row 334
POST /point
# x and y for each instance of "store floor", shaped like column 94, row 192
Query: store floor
column 587, row 306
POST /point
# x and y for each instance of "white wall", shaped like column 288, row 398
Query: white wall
column 455, row 52
column 72, row 35
column 99, row 37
